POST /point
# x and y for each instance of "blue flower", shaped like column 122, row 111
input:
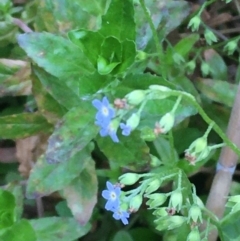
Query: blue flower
column 126, row 130
column 109, row 130
column 112, row 195
column 120, row 214
column 105, row 111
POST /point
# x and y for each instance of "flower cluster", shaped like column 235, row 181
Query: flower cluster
column 104, row 118
column 113, row 204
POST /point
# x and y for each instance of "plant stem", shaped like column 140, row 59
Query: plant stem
column 159, row 47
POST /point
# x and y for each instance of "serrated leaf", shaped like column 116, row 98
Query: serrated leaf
column 72, row 134
column 81, row 194
column 216, row 90
column 14, row 78
column 57, row 55
column 58, row 229
column 20, row 231
column 23, row 125
column 119, row 20
column 135, row 150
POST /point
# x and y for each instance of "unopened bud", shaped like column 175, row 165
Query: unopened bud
column 195, row 214
column 129, row 178
column 153, row 186
column 135, row 97
column 176, row 200
column 156, row 199
column 135, row 203
column 194, row 235
column 165, row 124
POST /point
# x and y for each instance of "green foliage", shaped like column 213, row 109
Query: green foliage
column 115, row 90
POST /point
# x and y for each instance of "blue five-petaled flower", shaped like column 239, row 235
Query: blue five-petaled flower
column 104, row 118
column 112, row 195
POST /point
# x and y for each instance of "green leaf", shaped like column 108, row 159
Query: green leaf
column 216, row 90
column 58, row 56
column 183, row 48
column 119, row 20
column 14, row 78
column 122, row 235
column 229, row 228
column 81, row 194
column 65, row 92
column 60, row 16
column 47, row 105
column 94, row 7
column 58, row 229
column 217, row 66
column 17, row 192
column 72, row 134
column 7, row 209
column 47, row 178
column 136, row 151
column 23, row 125
column 168, row 156
column 20, row 231
column 89, row 42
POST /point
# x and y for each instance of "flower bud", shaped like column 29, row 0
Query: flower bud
column 170, row 222
column 156, row 199
column 159, row 87
column 194, row 235
column 153, row 186
column 135, row 203
column 205, row 68
column 194, row 23
column 147, row 134
column 161, row 212
column 190, row 66
column 195, row 214
column 176, row 200
column 141, row 55
column 133, row 121
column 210, row 36
column 135, row 97
column 154, row 162
column 178, row 59
column 231, row 46
column 165, row 124
column 129, row 178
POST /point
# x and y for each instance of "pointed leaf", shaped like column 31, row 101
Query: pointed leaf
column 58, row 56
column 81, row 194
column 23, row 125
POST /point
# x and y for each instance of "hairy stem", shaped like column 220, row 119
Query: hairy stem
column 159, row 47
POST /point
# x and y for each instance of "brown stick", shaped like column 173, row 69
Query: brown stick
column 222, row 181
